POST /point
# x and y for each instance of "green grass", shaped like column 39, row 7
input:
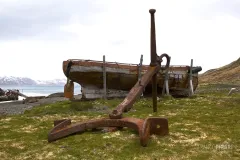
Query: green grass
column 206, row 126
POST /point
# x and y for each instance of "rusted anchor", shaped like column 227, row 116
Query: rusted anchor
column 145, row 128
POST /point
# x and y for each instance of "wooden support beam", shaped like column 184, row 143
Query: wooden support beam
column 104, row 79
column 140, row 70
column 140, row 67
column 190, row 80
column 165, row 84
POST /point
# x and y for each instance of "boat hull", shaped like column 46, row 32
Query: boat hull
column 122, row 77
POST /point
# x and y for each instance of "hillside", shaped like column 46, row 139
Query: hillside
column 229, row 74
column 28, row 81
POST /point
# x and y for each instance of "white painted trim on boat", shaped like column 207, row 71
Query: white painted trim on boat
column 98, row 69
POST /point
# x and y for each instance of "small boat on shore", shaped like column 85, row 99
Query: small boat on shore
column 8, row 95
column 121, row 77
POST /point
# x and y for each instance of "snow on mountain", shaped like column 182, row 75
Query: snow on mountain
column 16, row 81
column 11, row 80
column 51, row 82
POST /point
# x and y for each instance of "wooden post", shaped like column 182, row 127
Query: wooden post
column 165, row 84
column 190, row 80
column 104, row 79
column 140, row 67
column 232, row 90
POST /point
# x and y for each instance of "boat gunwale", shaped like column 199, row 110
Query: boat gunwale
column 120, row 65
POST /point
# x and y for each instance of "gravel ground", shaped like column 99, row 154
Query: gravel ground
column 17, row 107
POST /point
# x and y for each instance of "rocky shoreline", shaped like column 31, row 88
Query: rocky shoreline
column 19, row 106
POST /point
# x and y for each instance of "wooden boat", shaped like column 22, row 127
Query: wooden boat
column 121, row 77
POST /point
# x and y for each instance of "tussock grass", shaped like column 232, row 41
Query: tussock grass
column 206, row 126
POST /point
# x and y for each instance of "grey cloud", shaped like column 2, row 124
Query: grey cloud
column 42, row 18
column 216, row 8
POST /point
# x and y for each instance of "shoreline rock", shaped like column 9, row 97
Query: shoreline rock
column 18, row 107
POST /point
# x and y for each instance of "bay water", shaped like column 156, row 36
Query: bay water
column 40, row 90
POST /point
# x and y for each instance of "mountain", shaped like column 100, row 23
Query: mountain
column 51, row 82
column 16, row 81
column 229, row 73
column 28, row 81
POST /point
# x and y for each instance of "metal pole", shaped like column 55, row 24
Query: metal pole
column 153, row 59
column 104, row 79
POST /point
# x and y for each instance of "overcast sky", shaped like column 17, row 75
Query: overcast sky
column 37, row 35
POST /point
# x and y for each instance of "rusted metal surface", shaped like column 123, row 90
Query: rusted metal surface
column 153, row 39
column 153, row 59
column 137, row 90
column 134, row 93
column 69, row 89
column 145, row 128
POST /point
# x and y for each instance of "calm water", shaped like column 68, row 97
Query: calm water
column 40, row 90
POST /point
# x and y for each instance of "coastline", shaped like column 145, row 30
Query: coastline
column 20, row 106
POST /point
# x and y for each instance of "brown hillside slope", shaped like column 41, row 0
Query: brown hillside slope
column 229, row 74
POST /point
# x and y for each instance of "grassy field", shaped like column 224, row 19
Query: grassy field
column 206, row 126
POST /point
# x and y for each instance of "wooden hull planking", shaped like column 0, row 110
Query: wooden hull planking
column 121, row 76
